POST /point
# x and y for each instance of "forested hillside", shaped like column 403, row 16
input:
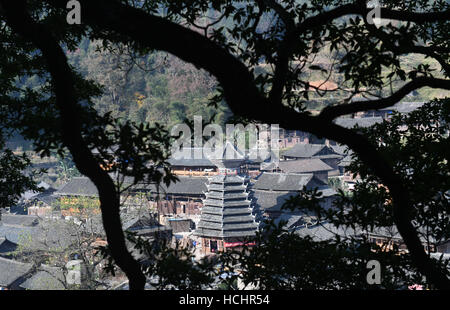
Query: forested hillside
column 159, row 87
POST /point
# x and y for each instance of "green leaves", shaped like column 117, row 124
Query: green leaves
column 13, row 179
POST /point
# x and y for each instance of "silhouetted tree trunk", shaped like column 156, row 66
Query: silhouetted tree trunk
column 21, row 22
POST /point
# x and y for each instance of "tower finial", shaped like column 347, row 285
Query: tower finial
column 230, row 159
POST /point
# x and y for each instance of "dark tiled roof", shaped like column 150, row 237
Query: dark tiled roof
column 46, row 278
column 200, row 231
column 272, row 189
column 228, row 179
column 82, row 186
column 78, row 186
column 6, row 246
column 303, row 165
column 11, row 271
column 226, row 202
column 304, row 150
column 19, row 220
column 206, row 157
column 213, row 211
column 268, row 166
column 326, row 231
column 290, row 220
column 274, row 200
column 231, row 157
column 143, row 224
column 360, row 122
column 310, row 150
column 17, row 234
column 271, row 201
column 326, row 191
column 143, row 221
column 284, row 181
column 202, row 162
column 185, row 185
column 225, row 195
column 46, row 197
column 192, row 157
column 226, row 187
column 37, row 237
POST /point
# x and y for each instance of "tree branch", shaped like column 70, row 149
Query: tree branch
column 62, row 79
column 400, row 49
column 357, row 8
column 331, row 112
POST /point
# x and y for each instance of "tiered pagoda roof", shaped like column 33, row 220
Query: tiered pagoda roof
column 227, row 211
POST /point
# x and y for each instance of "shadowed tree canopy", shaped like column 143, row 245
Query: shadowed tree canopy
column 231, row 40
column 12, row 167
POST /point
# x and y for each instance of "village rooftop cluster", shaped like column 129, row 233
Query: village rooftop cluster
column 217, row 205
